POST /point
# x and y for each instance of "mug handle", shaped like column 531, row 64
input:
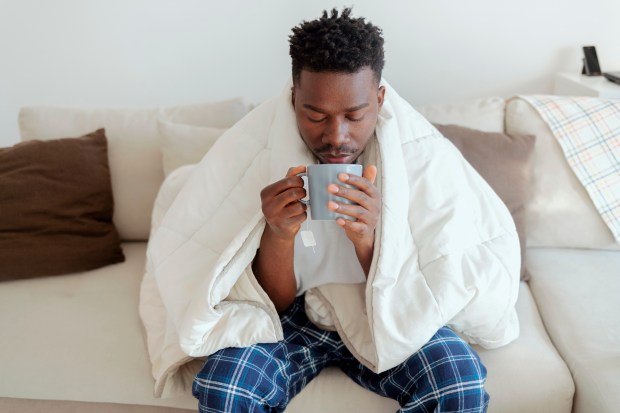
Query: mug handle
column 305, row 201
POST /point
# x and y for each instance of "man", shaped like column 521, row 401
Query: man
column 337, row 97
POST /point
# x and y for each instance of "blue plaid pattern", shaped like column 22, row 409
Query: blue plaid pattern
column 446, row 375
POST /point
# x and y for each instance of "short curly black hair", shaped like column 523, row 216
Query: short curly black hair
column 336, row 43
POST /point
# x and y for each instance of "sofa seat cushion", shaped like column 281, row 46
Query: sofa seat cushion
column 75, row 343
column 527, row 375
column 8, row 404
column 78, row 337
column 578, row 294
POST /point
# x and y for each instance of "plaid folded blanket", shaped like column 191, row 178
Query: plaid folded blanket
column 588, row 130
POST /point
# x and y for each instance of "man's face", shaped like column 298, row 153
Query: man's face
column 337, row 112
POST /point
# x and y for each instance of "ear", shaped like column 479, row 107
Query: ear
column 293, row 96
column 380, row 96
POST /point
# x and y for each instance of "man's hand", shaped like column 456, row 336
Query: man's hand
column 368, row 199
column 280, row 204
column 273, row 264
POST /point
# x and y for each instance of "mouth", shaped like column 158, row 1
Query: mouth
column 338, row 158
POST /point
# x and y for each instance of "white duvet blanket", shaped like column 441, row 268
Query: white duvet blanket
column 446, row 249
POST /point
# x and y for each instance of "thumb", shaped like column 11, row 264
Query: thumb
column 370, row 173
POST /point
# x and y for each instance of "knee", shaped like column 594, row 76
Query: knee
column 455, row 373
column 237, row 380
column 453, row 360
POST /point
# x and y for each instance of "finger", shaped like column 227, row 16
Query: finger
column 291, row 215
column 361, row 182
column 296, row 170
column 354, row 211
column 282, row 185
column 370, row 173
column 289, row 225
column 294, row 209
column 365, row 195
column 296, row 219
column 290, row 181
column 289, row 196
column 352, row 226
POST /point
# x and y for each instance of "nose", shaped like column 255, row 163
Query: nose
column 336, row 132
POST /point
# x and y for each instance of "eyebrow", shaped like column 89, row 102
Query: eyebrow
column 351, row 109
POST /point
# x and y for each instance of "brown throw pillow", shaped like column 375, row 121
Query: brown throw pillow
column 56, row 208
column 505, row 162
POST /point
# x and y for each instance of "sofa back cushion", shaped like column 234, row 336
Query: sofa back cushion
column 134, row 147
column 185, row 144
column 484, row 114
column 559, row 212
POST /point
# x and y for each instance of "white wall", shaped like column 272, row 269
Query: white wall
column 133, row 53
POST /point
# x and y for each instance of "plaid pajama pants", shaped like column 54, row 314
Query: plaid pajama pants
column 445, row 375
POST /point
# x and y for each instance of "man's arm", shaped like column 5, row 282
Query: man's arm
column 364, row 255
column 273, row 267
column 273, row 264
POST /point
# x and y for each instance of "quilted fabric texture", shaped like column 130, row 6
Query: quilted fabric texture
column 505, row 162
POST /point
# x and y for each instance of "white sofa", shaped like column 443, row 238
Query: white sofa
column 74, row 343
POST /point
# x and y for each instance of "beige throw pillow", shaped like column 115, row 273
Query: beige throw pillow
column 184, row 144
column 505, row 162
column 134, row 147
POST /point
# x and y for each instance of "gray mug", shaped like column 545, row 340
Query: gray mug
column 319, row 177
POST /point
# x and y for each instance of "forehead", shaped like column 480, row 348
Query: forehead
column 333, row 90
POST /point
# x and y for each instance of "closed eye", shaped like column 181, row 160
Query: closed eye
column 313, row 120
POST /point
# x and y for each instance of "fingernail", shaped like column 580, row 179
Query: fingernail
column 332, row 205
column 344, row 177
column 332, row 188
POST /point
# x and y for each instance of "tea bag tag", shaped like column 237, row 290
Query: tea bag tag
column 307, row 238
